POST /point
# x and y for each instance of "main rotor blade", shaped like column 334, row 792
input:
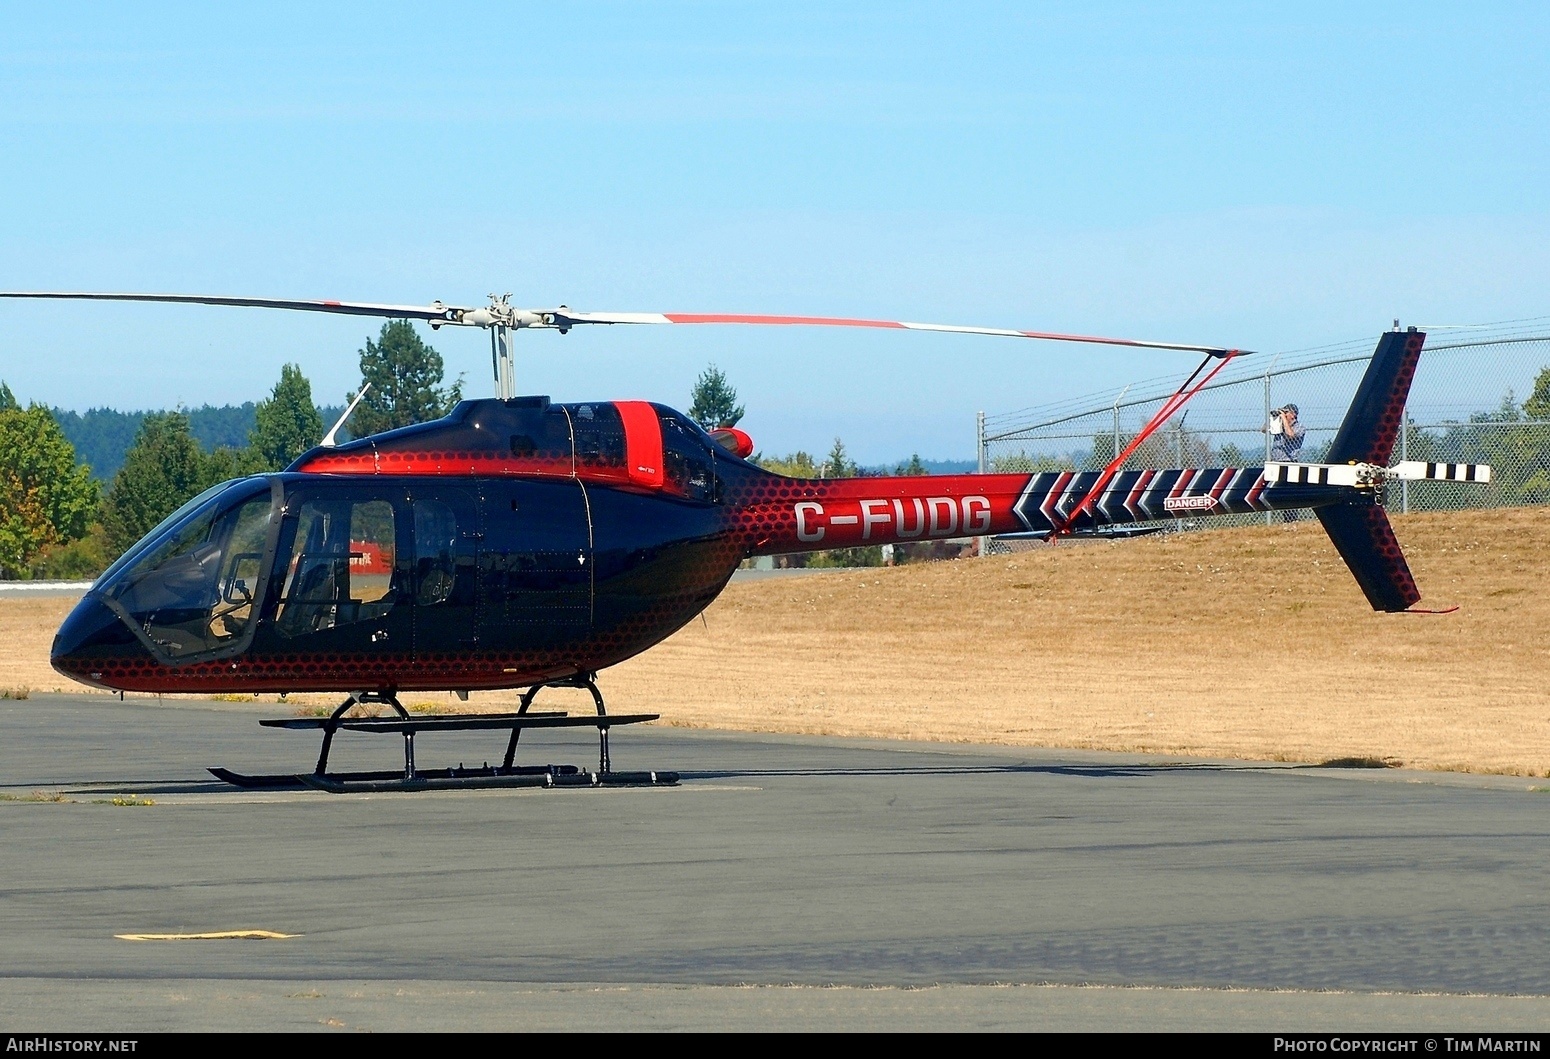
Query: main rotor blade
column 564, row 318
column 500, row 313
column 437, row 313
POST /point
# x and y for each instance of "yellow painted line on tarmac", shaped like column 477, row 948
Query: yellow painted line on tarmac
column 214, row 935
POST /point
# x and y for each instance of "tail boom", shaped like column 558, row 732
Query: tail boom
column 819, row 514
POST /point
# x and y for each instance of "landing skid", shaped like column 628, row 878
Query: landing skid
column 506, row 774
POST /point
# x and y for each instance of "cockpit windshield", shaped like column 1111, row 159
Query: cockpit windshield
column 190, row 585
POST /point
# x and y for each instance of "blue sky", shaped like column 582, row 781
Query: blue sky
column 1274, row 178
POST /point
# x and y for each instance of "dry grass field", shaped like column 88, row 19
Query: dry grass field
column 1246, row 643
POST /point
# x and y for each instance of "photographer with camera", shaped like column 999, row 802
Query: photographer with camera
column 1286, row 434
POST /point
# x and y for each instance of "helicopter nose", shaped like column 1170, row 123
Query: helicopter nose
column 90, row 635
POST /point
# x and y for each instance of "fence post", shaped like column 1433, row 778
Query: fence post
column 1404, row 454
column 1268, row 520
column 1115, row 454
column 983, row 545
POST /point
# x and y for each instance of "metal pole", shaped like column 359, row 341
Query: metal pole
column 1404, row 454
column 503, row 354
column 983, row 544
column 1266, row 421
column 1115, row 454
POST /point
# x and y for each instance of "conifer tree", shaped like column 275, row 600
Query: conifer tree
column 714, row 401
column 838, row 463
column 287, row 424
column 162, row 471
column 1538, row 404
column 405, row 376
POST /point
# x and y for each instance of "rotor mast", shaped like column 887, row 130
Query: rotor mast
column 503, row 354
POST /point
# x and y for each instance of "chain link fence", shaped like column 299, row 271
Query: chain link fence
column 1481, row 395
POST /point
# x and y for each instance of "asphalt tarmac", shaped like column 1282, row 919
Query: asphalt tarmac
column 789, row 882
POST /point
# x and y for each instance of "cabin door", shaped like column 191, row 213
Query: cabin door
column 339, row 572
column 535, row 565
column 447, row 533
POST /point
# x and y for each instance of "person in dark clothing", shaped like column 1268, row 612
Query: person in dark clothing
column 1286, row 434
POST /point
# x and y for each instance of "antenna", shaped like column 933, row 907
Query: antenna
column 329, row 440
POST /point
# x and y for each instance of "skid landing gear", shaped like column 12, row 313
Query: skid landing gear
column 506, row 774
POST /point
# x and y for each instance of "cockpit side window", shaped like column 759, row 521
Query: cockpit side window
column 689, row 466
column 435, row 551
column 340, row 569
column 600, row 443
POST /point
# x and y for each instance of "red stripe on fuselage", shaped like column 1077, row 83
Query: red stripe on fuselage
column 1223, row 482
column 1182, row 486
column 807, row 514
column 1259, row 487
column 1133, row 501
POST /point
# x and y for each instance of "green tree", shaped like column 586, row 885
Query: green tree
column 1230, row 455
column 75, row 560
column 797, row 465
column 7, row 398
column 45, row 497
column 405, row 376
column 1538, row 404
column 1517, row 452
column 287, row 424
column 226, row 463
column 162, row 471
column 24, row 526
column 913, row 469
column 714, row 400
column 1023, row 462
column 838, row 463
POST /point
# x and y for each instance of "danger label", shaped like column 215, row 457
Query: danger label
column 1189, row 503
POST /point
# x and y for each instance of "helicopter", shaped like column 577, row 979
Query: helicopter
column 523, row 543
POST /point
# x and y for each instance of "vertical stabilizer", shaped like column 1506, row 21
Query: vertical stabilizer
column 1365, row 540
column 1360, row 527
column 1373, row 421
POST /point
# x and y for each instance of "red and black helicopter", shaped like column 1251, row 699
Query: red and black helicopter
column 523, row 543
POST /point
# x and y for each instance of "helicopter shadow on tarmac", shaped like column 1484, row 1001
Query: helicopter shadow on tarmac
column 1127, row 771
column 143, row 788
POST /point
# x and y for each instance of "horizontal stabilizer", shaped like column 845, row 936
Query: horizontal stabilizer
column 1416, row 470
column 1366, row 474
column 1314, row 474
column 1365, row 540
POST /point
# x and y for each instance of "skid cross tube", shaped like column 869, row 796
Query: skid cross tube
column 336, row 718
column 580, row 680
